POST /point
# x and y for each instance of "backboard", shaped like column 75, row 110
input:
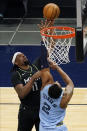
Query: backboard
column 81, row 30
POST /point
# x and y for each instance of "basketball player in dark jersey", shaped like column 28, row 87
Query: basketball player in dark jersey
column 22, row 72
column 30, row 98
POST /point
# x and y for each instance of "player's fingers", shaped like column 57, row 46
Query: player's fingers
column 48, row 24
column 42, row 23
column 52, row 64
column 51, row 22
column 50, row 61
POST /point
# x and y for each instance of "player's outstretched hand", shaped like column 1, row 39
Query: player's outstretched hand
column 46, row 23
column 52, row 64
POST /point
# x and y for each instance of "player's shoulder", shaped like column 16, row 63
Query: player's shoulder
column 46, row 71
column 15, row 74
column 46, row 74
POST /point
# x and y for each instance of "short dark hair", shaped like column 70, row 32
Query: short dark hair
column 55, row 91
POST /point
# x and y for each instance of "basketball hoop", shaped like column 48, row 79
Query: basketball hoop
column 58, row 40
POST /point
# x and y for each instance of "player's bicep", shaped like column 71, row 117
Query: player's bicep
column 17, row 83
column 18, row 88
column 66, row 96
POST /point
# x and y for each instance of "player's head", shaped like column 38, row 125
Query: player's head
column 55, row 91
column 20, row 59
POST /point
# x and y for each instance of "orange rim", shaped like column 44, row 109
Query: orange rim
column 72, row 34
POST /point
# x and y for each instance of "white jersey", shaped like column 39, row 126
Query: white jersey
column 50, row 111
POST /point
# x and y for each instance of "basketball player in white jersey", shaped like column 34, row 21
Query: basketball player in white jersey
column 54, row 100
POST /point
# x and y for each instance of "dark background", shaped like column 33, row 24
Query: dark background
column 77, row 71
column 15, row 8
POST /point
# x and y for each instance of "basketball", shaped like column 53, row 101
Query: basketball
column 51, row 11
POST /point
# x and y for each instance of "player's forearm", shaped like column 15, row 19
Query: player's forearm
column 64, row 76
column 29, row 85
column 24, row 90
column 27, row 88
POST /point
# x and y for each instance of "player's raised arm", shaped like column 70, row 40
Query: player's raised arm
column 69, row 85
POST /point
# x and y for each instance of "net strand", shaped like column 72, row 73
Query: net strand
column 58, row 49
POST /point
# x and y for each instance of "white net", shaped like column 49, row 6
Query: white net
column 58, row 49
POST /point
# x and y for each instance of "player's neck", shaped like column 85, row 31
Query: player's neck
column 25, row 67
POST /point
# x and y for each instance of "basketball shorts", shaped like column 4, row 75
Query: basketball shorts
column 27, row 118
